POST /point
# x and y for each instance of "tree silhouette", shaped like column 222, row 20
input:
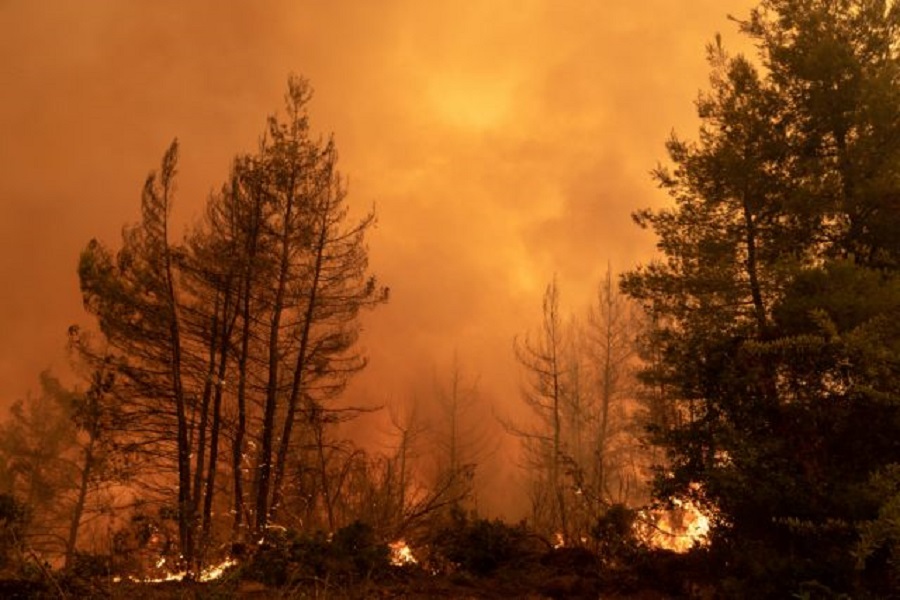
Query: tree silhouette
column 774, row 300
column 265, row 291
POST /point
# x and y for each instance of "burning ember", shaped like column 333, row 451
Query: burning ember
column 401, row 555
column 213, row 572
column 678, row 529
column 558, row 540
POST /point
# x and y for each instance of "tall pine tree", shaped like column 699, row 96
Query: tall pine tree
column 775, row 297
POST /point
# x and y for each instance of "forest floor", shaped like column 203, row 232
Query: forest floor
column 525, row 569
column 421, row 588
column 544, row 580
column 433, row 587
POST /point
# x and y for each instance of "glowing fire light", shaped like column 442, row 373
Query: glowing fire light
column 558, row 540
column 678, row 529
column 214, row 572
column 210, row 573
column 401, row 554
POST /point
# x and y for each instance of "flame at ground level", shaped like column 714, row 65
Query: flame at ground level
column 210, row 573
column 401, row 554
column 677, row 529
column 214, row 572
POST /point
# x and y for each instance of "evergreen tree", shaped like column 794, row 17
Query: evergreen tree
column 54, row 452
column 774, row 302
column 140, row 310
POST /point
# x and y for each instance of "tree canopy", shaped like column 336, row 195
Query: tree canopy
column 775, row 299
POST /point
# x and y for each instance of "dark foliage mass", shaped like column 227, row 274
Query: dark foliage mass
column 775, row 303
column 289, row 558
column 480, row 546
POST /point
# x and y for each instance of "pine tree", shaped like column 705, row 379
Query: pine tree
column 774, row 301
column 265, row 292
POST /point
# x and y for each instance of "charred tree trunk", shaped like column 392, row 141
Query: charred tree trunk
column 274, row 352
column 245, row 301
column 80, row 502
column 187, row 516
column 204, row 407
column 300, row 366
column 223, row 352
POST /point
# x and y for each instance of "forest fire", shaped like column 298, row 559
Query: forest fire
column 213, row 572
column 677, row 529
column 401, row 554
column 210, row 573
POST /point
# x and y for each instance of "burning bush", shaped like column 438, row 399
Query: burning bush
column 678, row 528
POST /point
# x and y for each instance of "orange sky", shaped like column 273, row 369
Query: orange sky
column 500, row 140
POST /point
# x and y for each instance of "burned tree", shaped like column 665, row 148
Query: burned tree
column 139, row 307
column 264, row 292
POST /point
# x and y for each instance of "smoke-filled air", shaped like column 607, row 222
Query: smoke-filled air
column 400, row 299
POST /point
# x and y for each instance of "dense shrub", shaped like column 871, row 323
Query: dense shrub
column 139, row 545
column 13, row 519
column 354, row 550
column 89, row 566
column 614, row 534
column 286, row 557
column 479, row 546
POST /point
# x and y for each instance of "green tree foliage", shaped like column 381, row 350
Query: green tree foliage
column 53, row 457
column 37, row 444
column 479, row 546
column 774, row 304
column 834, row 67
column 13, row 523
column 34, row 439
column 352, row 555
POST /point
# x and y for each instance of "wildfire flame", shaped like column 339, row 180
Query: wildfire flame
column 210, row 573
column 401, row 554
column 213, row 572
column 678, row 529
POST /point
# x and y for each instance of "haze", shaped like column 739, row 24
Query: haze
column 500, row 142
